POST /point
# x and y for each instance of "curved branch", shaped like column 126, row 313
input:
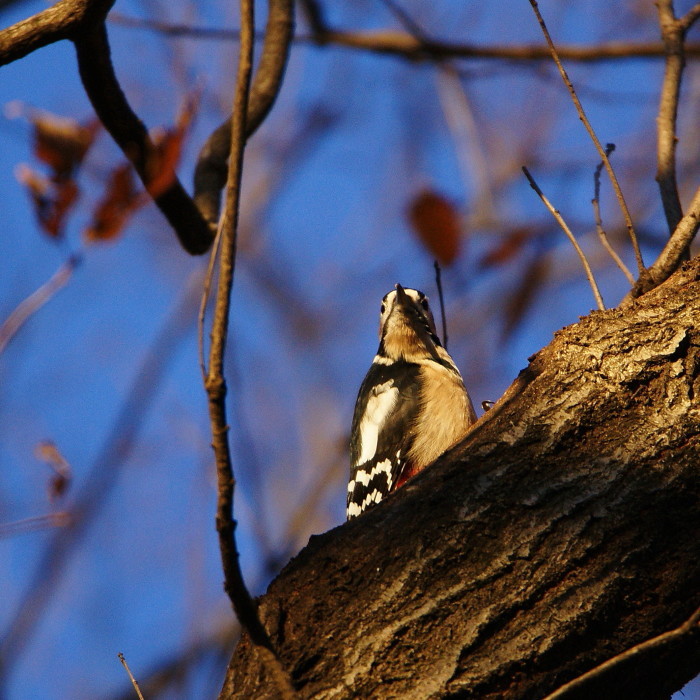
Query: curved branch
column 211, row 170
column 111, row 106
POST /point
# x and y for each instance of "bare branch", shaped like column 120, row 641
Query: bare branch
column 215, row 382
column 609, row 148
column 580, row 687
column 570, row 236
column 405, row 45
column 211, row 170
column 689, row 19
column 105, row 93
column 594, row 138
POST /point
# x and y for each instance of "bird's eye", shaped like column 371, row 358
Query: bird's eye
column 424, row 303
column 382, row 309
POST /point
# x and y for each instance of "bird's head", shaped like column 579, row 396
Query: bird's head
column 406, row 326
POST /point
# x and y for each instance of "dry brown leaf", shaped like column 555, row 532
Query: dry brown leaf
column 437, row 223
column 62, row 143
column 120, row 201
column 61, row 480
column 506, row 249
column 52, row 199
column 524, row 294
column 169, row 148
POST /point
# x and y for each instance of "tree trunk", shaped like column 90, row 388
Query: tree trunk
column 562, row 531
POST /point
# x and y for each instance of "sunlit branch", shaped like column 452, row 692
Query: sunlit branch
column 61, row 21
column 570, row 236
column 594, row 138
column 673, row 253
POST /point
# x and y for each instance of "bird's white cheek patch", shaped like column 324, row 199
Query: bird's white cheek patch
column 379, row 406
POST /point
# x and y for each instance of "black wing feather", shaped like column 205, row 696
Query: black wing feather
column 395, row 434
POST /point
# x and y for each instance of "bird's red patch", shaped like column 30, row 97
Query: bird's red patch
column 410, row 470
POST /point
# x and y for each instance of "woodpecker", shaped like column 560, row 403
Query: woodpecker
column 412, row 405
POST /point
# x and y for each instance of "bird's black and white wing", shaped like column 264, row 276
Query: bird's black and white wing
column 388, row 402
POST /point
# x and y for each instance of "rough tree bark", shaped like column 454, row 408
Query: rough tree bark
column 562, row 531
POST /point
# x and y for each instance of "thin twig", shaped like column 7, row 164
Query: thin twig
column 29, row 306
column 609, row 148
column 594, row 138
column 438, row 283
column 215, row 382
column 570, row 236
column 38, row 522
column 575, row 687
column 134, row 682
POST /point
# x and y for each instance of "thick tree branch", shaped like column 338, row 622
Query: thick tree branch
column 215, row 382
column 561, row 532
column 211, row 170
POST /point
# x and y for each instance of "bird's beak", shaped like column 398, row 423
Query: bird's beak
column 401, row 295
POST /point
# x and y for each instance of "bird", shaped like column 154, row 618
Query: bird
column 412, row 404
